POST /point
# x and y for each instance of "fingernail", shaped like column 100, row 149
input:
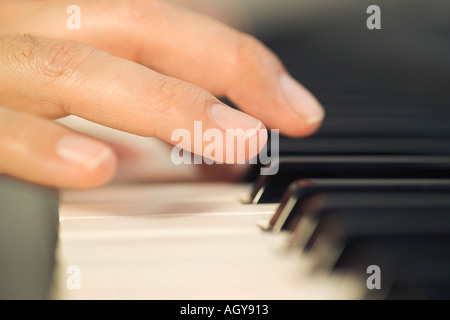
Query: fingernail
column 83, row 151
column 301, row 100
column 229, row 118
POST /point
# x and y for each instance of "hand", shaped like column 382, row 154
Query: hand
column 145, row 67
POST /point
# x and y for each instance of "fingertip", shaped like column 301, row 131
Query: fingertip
column 301, row 100
column 88, row 163
column 299, row 128
column 264, row 89
column 81, row 178
column 101, row 174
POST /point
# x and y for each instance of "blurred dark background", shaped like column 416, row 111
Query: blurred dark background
column 391, row 83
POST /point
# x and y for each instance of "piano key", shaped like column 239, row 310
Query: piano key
column 296, row 197
column 397, row 240
column 166, row 255
column 332, row 231
column 363, row 146
column 388, row 109
column 389, row 127
column 270, row 188
column 150, row 193
column 303, row 220
column 413, row 265
column 370, row 221
column 351, row 146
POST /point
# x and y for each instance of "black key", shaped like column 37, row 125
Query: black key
column 336, row 224
column 396, row 110
column 333, row 194
column 316, row 204
column 385, row 127
column 409, row 245
column 270, row 188
column 363, row 146
column 412, row 266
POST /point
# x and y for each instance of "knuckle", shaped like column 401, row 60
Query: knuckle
column 174, row 94
column 49, row 60
column 252, row 56
column 61, row 60
column 138, row 11
column 46, row 63
column 16, row 50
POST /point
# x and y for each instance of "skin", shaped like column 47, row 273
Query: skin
column 144, row 67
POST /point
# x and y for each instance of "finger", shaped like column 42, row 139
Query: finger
column 192, row 47
column 44, row 152
column 56, row 78
column 227, row 63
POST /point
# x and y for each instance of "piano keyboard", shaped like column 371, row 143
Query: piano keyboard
column 370, row 189
column 204, row 241
column 184, row 242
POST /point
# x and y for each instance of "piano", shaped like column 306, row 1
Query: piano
column 360, row 210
